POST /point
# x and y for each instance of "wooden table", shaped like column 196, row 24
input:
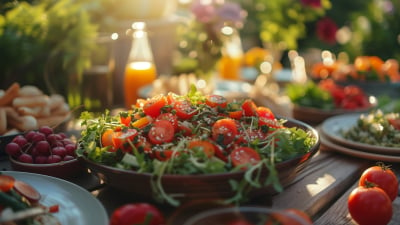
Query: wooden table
column 321, row 189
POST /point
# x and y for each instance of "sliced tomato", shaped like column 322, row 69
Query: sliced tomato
column 153, row 106
column 224, row 131
column 107, row 138
column 395, row 123
column 125, row 118
column 237, row 115
column 143, row 145
column 265, row 112
column 124, row 139
column 162, row 131
column 249, row 108
column 184, row 109
column 6, row 182
column 243, row 156
column 216, row 101
column 250, row 135
column 164, row 155
column 220, row 152
column 27, row 191
column 172, row 118
column 172, row 98
column 185, row 128
column 204, row 146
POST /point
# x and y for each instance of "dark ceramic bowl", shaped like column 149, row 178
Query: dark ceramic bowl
column 315, row 116
column 194, row 187
column 64, row 169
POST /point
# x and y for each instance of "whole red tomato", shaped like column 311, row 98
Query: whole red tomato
column 138, row 213
column 383, row 177
column 370, row 206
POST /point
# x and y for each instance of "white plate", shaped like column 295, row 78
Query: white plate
column 329, row 145
column 76, row 205
column 333, row 127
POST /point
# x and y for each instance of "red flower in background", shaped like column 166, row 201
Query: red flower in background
column 326, row 30
column 312, row 3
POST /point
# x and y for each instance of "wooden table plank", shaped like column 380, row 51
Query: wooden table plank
column 323, row 180
column 338, row 214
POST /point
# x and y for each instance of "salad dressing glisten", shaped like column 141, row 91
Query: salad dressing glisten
column 140, row 69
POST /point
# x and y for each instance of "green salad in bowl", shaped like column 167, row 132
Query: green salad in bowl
column 175, row 148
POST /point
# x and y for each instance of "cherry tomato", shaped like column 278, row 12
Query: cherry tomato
column 395, row 123
column 265, row 112
column 251, row 135
column 27, row 191
column 224, row 131
column 172, row 98
column 184, row 109
column 237, row 115
column 137, row 213
column 205, row 146
column 125, row 119
column 124, row 139
column 153, row 106
column 173, row 119
column 383, row 177
column 185, row 128
column 164, row 155
column 249, row 107
column 143, row 145
column 370, row 206
column 216, row 101
column 290, row 216
column 220, row 152
column 6, row 182
column 244, row 156
column 106, row 138
column 161, row 132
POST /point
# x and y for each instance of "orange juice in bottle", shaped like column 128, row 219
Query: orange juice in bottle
column 137, row 75
column 140, row 69
column 232, row 55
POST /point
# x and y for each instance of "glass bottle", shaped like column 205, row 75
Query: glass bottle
column 140, row 69
column 232, row 54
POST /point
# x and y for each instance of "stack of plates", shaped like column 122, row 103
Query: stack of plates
column 332, row 139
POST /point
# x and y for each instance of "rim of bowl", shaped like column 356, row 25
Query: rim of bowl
column 43, row 164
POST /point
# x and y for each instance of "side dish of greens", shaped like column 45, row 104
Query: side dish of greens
column 376, row 128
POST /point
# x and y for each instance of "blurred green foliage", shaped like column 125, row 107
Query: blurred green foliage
column 43, row 42
column 372, row 26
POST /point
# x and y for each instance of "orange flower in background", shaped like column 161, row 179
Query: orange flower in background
column 392, row 69
column 254, row 56
column 364, row 68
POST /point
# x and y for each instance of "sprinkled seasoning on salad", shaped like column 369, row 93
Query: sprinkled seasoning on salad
column 193, row 134
column 376, row 128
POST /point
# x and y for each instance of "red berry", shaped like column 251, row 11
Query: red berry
column 25, row 158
